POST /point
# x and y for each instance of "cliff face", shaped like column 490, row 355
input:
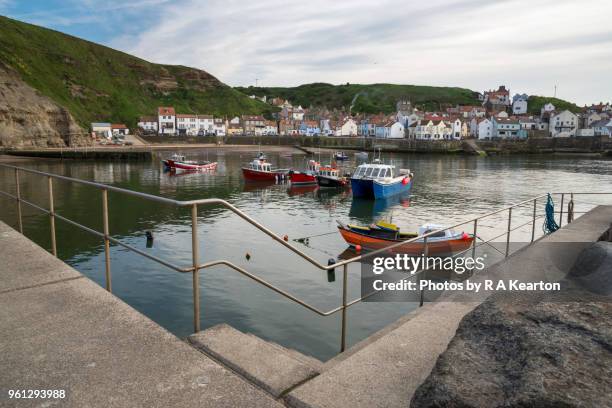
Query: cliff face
column 29, row 119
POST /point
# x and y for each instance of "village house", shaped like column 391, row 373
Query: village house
column 205, row 125
column 219, row 127
column 326, row 127
column 563, row 124
column 234, row 129
column 148, row 124
column 485, row 129
column 471, row 111
column 433, row 129
column 119, row 129
column 309, row 128
column 505, row 128
column 497, row 100
column 547, row 108
column 270, row 128
column 602, row 127
column 253, row 124
column 519, row 106
column 346, row 127
column 297, row 114
column 101, row 129
column 186, row 124
column 166, row 117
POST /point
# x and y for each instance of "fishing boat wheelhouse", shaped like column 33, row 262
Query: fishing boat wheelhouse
column 329, row 176
column 261, row 170
column 378, row 180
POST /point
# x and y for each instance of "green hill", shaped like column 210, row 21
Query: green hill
column 535, row 104
column 372, row 98
column 97, row 83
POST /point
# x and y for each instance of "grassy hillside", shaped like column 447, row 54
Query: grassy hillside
column 97, row 83
column 372, row 98
column 535, row 104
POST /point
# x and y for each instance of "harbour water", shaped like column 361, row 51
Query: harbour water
column 446, row 190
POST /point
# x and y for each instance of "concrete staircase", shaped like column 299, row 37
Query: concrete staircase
column 470, row 146
column 270, row 366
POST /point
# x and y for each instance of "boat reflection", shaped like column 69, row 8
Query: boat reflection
column 294, row 191
column 368, row 210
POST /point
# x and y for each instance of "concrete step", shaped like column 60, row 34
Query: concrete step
column 270, row 366
column 315, row 364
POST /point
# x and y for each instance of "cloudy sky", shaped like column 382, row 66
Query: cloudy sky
column 528, row 45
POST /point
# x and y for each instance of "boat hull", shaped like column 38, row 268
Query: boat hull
column 189, row 166
column 331, row 182
column 362, row 188
column 256, row 175
column 399, row 186
column 303, row 179
column 434, row 248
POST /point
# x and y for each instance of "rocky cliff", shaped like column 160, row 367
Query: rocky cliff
column 533, row 350
column 29, row 119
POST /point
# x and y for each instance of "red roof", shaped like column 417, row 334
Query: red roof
column 118, row 126
column 166, row 110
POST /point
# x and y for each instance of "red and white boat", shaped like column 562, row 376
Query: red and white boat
column 305, row 178
column 260, row 170
column 177, row 161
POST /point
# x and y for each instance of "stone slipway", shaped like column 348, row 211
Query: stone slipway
column 386, row 369
column 60, row 330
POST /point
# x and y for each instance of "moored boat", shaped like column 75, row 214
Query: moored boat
column 377, row 180
column 329, row 176
column 382, row 234
column 261, row 170
column 177, row 161
column 308, row 177
column 340, row 156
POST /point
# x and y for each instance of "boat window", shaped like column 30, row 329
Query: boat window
column 439, row 234
column 368, row 172
column 375, row 173
column 383, row 173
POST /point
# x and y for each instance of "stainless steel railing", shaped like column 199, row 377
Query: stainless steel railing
column 196, row 266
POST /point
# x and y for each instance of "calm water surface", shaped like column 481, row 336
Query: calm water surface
column 447, row 189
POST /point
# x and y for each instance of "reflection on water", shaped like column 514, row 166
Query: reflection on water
column 447, row 189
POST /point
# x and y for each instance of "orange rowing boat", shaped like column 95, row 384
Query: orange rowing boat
column 381, row 235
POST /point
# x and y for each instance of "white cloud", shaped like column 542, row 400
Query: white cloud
column 528, row 46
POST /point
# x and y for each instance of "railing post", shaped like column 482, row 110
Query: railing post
column 535, row 200
column 196, row 276
column 344, row 300
column 18, row 194
column 474, row 242
column 109, row 284
column 508, row 235
column 52, row 216
column 425, row 254
column 561, row 213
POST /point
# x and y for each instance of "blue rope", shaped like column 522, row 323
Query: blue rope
column 550, row 225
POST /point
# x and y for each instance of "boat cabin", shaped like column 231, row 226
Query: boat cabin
column 313, row 165
column 427, row 228
column 374, row 171
column 260, row 165
column 329, row 172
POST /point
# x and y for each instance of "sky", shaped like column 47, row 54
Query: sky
column 528, row 45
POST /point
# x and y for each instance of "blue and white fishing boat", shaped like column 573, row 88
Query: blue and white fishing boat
column 378, row 180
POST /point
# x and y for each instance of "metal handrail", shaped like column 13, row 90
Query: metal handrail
column 197, row 266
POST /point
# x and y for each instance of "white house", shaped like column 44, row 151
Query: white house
column 298, row 114
column 397, row 131
column 148, row 123
column 563, row 124
column 547, row 108
column 166, row 118
column 270, row 128
column 430, row 129
column 186, row 124
column 101, row 129
column 602, row 127
column 206, row 124
column 457, row 129
column 485, row 129
column 519, row 106
column 348, row 128
column 219, row 127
